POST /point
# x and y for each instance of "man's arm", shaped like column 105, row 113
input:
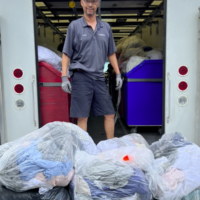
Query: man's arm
column 113, row 61
column 65, row 64
column 66, row 86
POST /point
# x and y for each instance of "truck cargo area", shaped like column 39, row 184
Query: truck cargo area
column 126, row 18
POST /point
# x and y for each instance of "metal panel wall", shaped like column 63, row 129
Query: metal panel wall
column 2, row 116
column 18, row 51
column 182, row 50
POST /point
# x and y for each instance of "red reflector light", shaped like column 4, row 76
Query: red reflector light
column 182, row 85
column 183, row 70
column 19, row 88
column 126, row 158
column 18, row 73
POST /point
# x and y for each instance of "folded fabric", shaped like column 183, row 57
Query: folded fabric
column 173, row 177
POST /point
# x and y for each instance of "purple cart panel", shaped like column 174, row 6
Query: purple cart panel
column 142, row 94
column 142, row 103
column 146, row 69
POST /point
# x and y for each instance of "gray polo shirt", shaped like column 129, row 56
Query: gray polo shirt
column 88, row 49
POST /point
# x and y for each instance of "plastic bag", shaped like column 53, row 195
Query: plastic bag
column 57, row 193
column 53, row 49
column 127, row 53
column 168, row 144
column 113, row 143
column 50, row 57
column 133, row 62
column 119, row 43
column 136, row 138
column 44, row 158
column 131, row 42
column 188, row 162
column 100, row 177
column 127, row 140
column 123, row 65
column 154, row 55
column 121, row 40
column 142, row 158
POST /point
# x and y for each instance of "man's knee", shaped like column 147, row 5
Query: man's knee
column 109, row 117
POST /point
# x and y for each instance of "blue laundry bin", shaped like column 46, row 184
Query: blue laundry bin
column 142, row 94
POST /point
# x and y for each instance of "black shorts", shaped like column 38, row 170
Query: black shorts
column 88, row 93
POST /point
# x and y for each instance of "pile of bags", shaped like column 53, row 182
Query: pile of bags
column 132, row 51
column 126, row 168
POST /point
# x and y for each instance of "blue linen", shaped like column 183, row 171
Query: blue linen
column 136, row 184
column 30, row 163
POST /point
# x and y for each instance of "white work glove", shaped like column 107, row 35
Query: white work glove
column 66, row 85
column 118, row 82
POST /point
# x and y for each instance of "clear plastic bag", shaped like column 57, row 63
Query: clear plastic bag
column 119, row 43
column 53, row 49
column 130, row 42
column 182, row 157
column 128, row 53
column 136, row 138
column 168, row 144
column 133, row 62
column 123, row 65
column 188, row 161
column 44, row 158
column 46, row 55
column 127, row 140
column 101, row 177
column 142, row 158
column 154, row 55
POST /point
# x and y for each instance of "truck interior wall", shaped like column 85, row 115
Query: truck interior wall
column 154, row 40
column 48, row 40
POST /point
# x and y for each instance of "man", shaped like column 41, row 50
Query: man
column 88, row 42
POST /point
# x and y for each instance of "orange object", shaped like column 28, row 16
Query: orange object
column 126, row 158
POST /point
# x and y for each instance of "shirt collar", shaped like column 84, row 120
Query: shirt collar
column 99, row 23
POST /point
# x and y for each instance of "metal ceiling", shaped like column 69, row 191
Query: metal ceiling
column 118, row 13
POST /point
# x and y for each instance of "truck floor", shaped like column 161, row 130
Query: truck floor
column 97, row 132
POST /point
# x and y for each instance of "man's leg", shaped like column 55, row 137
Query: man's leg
column 109, row 125
column 81, row 98
column 82, row 123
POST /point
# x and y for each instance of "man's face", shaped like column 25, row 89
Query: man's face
column 90, row 7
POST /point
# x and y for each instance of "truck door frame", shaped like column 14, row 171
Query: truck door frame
column 164, row 66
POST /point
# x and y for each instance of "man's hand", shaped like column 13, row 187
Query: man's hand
column 118, row 82
column 66, row 85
